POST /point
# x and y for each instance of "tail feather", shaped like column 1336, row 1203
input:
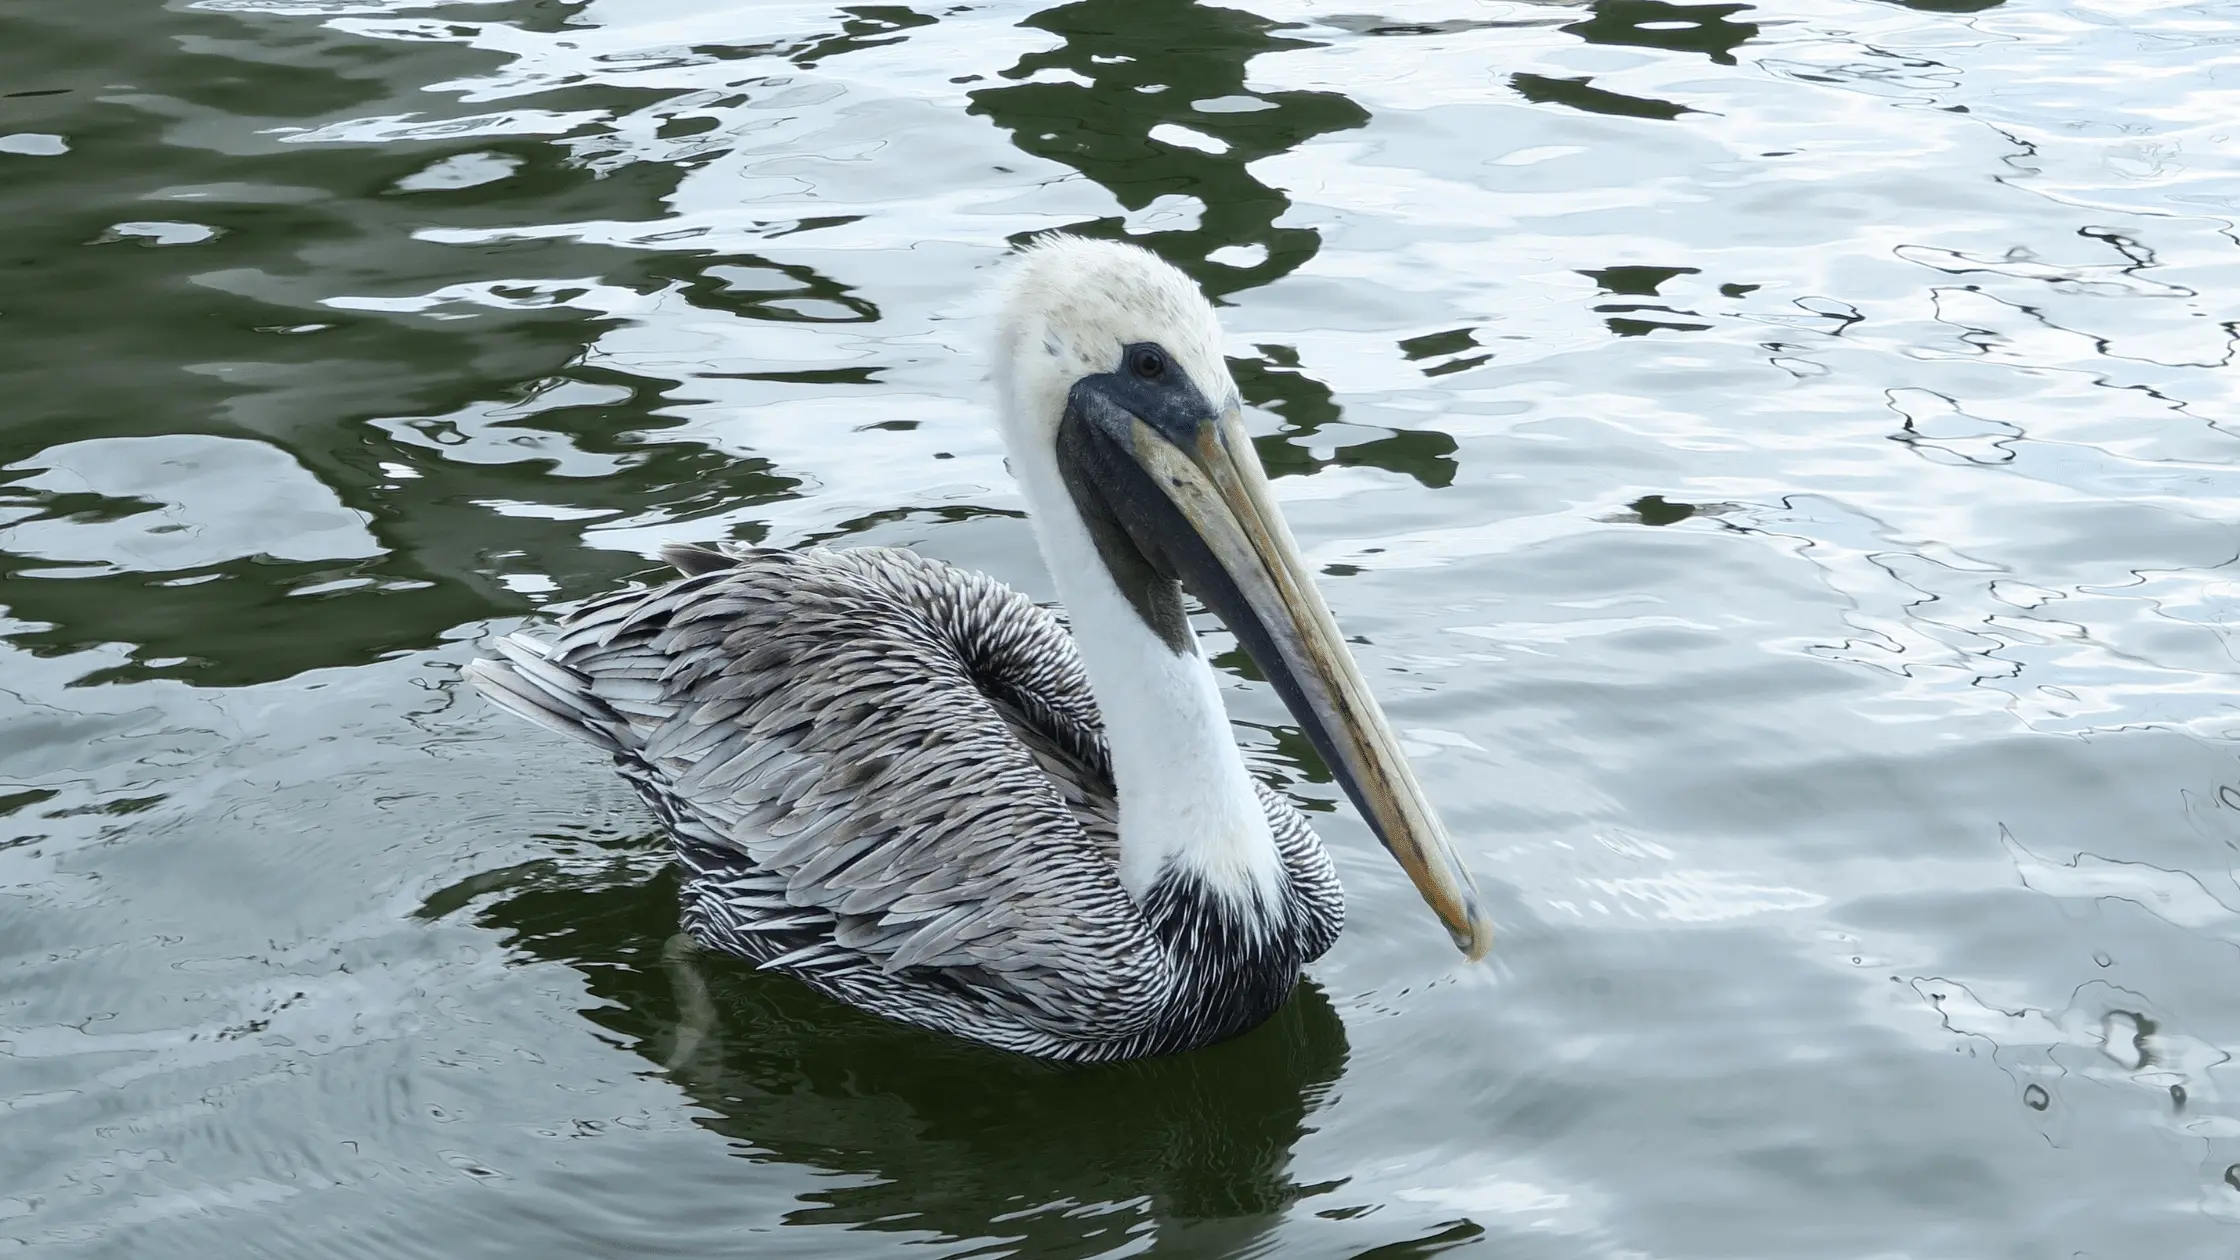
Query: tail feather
column 694, row 559
column 528, row 685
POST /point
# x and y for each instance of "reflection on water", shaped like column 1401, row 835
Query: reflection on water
column 926, row 1133
column 1709, row 29
column 1148, row 98
column 1777, row 463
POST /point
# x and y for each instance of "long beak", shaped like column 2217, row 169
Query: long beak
column 1259, row 586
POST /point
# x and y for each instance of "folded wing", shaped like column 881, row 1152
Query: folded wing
column 884, row 774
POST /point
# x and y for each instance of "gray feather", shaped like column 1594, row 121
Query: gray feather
column 887, row 776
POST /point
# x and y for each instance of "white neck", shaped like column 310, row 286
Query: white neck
column 1186, row 799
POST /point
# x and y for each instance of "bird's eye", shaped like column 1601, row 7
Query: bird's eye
column 1148, row 363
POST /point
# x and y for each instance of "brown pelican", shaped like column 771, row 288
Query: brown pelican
column 917, row 791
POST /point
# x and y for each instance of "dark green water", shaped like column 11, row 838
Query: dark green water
column 1782, row 458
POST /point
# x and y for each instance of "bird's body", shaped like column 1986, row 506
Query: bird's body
column 914, row 789
column 888, row 776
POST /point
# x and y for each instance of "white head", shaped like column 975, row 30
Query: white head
column 1125, row 431
column 1070, row 305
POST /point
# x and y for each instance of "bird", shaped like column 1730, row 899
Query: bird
column 930, row 798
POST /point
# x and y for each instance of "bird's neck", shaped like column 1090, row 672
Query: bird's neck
column 1187, row 803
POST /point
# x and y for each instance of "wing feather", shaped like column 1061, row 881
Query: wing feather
column 886, row 775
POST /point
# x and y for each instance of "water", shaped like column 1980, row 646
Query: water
column 1782, row 459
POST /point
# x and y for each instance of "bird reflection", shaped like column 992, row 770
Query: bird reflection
column 945, row 1136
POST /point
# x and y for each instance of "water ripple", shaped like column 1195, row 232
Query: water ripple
column 1778, row 464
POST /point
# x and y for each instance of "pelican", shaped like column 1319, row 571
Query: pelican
column 927, row 797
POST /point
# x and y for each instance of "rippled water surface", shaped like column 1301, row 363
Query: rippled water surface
column 1782, row 459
